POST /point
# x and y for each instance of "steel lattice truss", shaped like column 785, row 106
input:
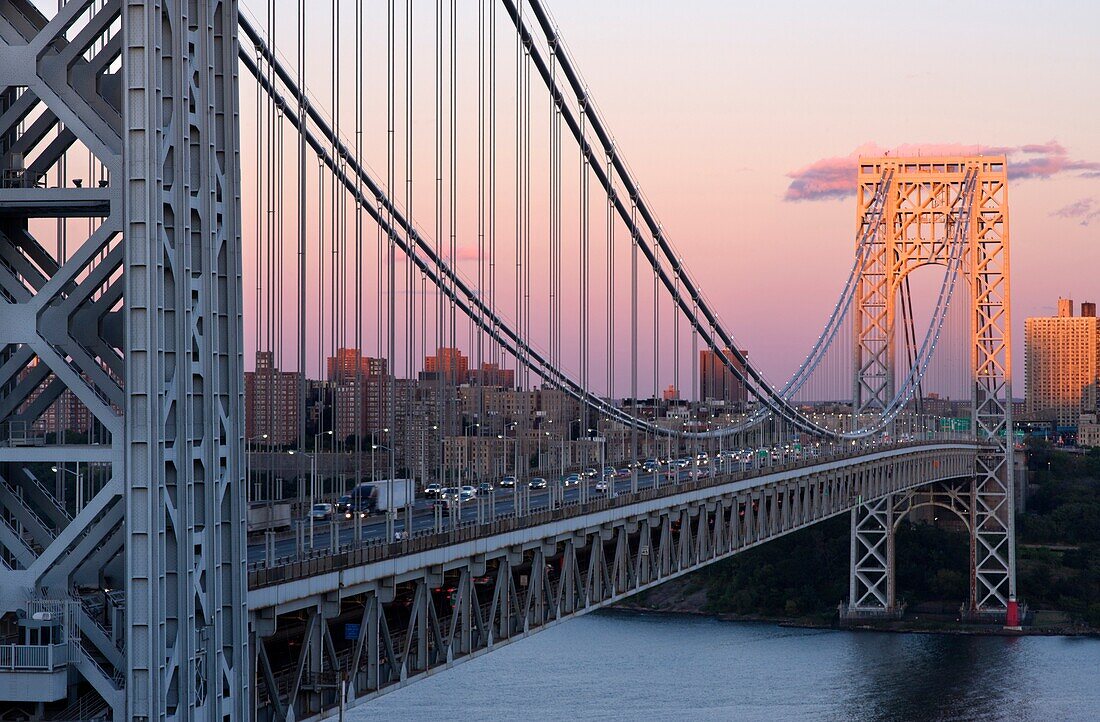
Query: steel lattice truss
column 135, row 322
column 930, row 204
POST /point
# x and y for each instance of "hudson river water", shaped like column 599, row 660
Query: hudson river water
column 620, row 666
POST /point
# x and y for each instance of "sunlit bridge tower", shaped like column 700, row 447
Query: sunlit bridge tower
column 121, row 495
column 952, row 212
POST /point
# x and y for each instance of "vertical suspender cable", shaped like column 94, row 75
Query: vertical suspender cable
column 334, row 294
column 634, row 290
column 301, row 285
column 479, row 354
column 448, row 400
column 584, row 267
column 610, row 343
column 361, row 412
column 410, row 275
column 440, row 312
column 695, row 382
column 527, row 209
column 391, row 259
column 656, row 353
column 518, row 117
column 320, row 273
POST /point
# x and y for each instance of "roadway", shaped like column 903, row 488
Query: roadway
column 499, row 502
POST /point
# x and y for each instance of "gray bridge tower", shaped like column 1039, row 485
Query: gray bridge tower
column 122, row 505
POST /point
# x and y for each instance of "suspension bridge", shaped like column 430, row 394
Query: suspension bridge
column 258, row 261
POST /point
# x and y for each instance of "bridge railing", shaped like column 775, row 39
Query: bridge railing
column 33, row 657
column 353, row 554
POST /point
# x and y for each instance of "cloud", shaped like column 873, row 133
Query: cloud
column 467, row 253
column 1082, row 211
column 831, row 178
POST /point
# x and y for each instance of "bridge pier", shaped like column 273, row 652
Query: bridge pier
column 872, row 583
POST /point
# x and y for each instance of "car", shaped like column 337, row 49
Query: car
column 609, row 471
column 508, row 482
column 484, row 488
column 448, row 492
column 602, row 485
column 572, row 479
column 537, row 483
column 431, row 491
column 589, row 472
column 624, row 473
column 467, row 489
column 343, row 504
column 465, row 496
column 321, row 512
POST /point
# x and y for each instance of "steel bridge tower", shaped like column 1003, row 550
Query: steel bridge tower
column 916, row 228
column 120, row 286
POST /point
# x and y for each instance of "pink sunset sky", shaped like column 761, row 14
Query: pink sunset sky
column 743, row 121
column 764, row 107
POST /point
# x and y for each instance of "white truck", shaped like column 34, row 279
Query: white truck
column 268, row 516
column 374, row 496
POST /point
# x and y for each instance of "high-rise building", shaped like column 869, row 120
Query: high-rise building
column 716, row 381
column 1061, row 365
column 491, row 374
column 350, row 363
column 451, row 363
column 271, row 402
column 360, row 393
column 424, row 413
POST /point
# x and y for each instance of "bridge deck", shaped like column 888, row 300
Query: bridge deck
column 426, row 603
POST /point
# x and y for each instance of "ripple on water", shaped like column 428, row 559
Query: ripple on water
column 616, row 666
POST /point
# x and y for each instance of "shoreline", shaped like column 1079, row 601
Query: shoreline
column 902, row 626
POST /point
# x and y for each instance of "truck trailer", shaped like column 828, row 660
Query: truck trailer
column 374, row 496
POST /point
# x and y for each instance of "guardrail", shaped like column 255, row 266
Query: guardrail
column 33, row 657
column 320, row 561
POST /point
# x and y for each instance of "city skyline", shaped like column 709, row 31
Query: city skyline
column 767, row 190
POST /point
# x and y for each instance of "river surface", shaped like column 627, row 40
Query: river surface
column 625, row 666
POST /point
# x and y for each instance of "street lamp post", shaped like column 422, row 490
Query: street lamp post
column 547, row 435
column 250, row 449
column 423, row 451
column 312, row 487
column 601, row 443
column 79, row 476
column 317, row 446
column 391, row 520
